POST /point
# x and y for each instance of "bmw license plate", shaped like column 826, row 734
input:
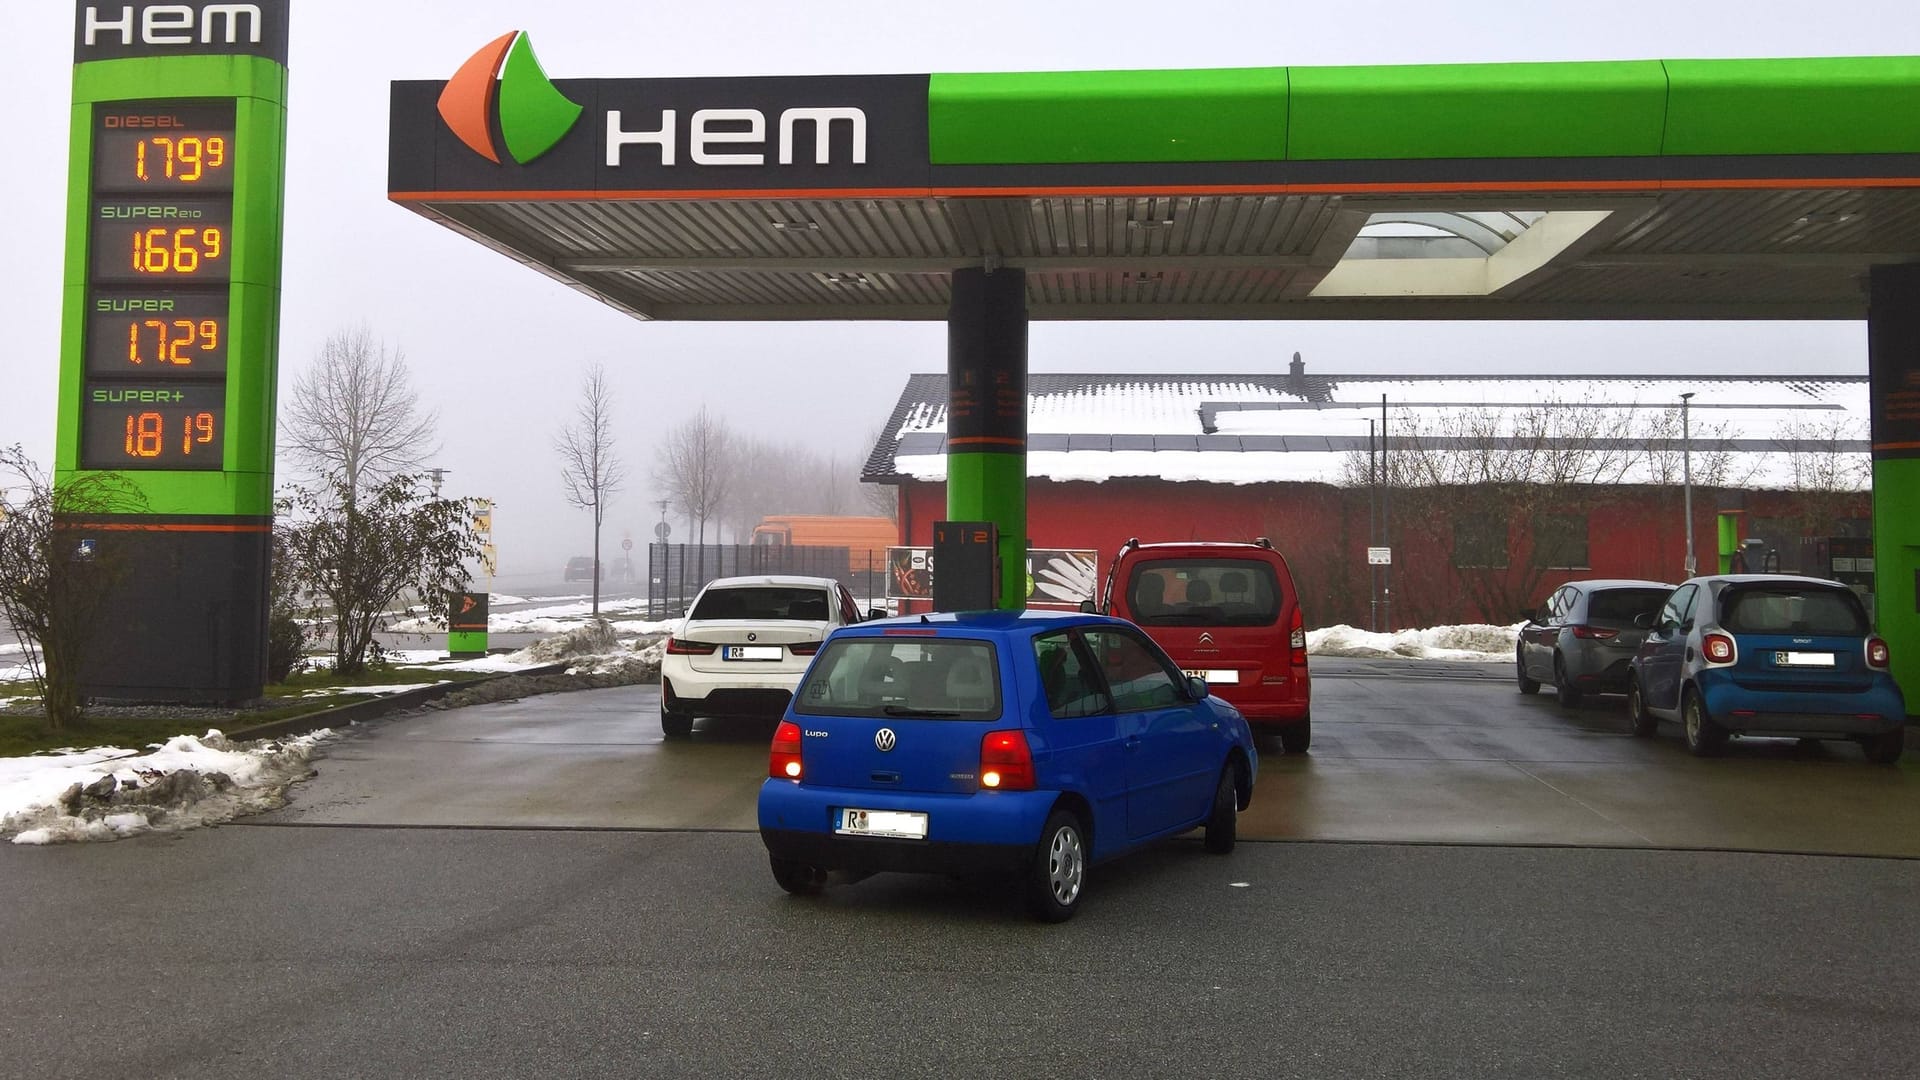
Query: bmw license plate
column 1216, row 676
column 902, row 824
column 752, row 652
column 1802, row 659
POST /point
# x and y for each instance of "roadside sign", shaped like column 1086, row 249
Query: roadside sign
column 662, row 530
column 1379, row 556
column 627, row 544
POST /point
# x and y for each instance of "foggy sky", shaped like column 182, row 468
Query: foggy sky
column 499, row 349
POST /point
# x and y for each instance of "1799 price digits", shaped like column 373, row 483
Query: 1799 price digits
column 176, row 251
column 147, row 435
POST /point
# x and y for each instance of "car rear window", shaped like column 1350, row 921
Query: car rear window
column 1624, row 605
column 1789, row 609
column 1204, row 592
column 930, row 678
column 762, row 602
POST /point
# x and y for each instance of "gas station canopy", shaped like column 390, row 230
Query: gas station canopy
column 1717, row 189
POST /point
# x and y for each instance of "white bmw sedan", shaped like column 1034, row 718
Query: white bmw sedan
column 745, row 643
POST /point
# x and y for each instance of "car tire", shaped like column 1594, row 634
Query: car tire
column 1528, row 684
column 797, row 878
column 675, row 725
column 1056, row 881
column 1297, row 737
column 1704, row 737
column 1223, row 821
column 1885, row 748
column 1563, row 689
column 1643, row 723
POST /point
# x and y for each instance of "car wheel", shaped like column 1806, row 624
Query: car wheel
column 1223, row 822
column 797, row 878
column 1057, row 879
column 1528, row 685
column 1297, row 737
column 1886, row 748
column 1643, row 723
column 675, row 725
column 1704, row 737
column 1563, row 689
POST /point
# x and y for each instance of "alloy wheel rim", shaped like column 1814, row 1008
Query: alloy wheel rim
column 1064, row 865
column 1693, row 720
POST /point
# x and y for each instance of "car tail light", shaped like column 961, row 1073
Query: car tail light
column 784, row 761
column 1005, row 762
column 1878, row 655
column 804, row 648
column 1297, row 640
column 1718, row 648
column 683, row 647
column 1594, row 633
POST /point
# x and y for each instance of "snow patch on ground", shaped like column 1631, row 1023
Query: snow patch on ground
column 551, row 619
column 105, row 793
column 1472, row 642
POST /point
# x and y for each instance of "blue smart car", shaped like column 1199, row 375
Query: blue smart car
column 1766, row 654
column 1028, row 744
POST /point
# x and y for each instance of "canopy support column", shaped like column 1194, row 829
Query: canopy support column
column 1893, row 361
column 987, row 414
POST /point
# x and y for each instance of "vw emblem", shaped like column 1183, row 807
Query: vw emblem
column 753, row 637
column 1206, row 639
column 883, row 739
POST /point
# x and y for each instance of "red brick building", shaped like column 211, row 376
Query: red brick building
column 1496, row 489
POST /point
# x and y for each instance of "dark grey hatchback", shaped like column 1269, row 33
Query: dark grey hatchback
column 1581, row 640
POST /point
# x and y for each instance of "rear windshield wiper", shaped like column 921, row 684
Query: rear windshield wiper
column 930, row 714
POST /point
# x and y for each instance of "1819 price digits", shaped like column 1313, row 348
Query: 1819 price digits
column 146, row 433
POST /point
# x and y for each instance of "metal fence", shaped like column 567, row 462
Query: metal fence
column 677, row 572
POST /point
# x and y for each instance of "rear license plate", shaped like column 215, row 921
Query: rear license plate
column 752, row 652
column 1214, row 675
column 901, row 824
column 1803, row 659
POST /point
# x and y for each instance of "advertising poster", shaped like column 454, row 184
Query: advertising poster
column 1056, row 577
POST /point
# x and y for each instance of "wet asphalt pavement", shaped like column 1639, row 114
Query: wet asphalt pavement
column 371, row 930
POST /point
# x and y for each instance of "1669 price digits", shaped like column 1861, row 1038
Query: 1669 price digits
column 147, row 435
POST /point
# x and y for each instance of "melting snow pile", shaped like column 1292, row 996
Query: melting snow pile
column 107, row 793
column 1477, row 641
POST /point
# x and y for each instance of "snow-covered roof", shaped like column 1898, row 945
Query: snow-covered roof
column 1747, row 431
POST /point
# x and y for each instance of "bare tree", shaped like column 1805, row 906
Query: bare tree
column 694, row 468
column 589, row 468
column 53, row 588
column 362, row 552
column 1825, row 470
column 354, row 413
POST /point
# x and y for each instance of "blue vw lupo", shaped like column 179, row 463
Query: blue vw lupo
column 999, row 743
column 1766, row 654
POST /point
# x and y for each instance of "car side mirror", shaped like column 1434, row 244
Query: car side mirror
column 876, row 613
column 1087, row 608
column 1644, row 620
column 1197, row 687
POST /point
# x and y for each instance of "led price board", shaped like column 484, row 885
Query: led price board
column 131, row 425
column 159, row 285
column 140, row 243
column 158, row 335
column 182, row 148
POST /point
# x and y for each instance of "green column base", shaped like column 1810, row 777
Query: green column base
column 993, row 487
column 1896, row 570
column 467, row 643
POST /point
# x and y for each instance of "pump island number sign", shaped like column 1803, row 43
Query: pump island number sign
column 159, row 293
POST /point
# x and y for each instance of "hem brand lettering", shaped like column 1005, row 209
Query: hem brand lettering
column 172, row 24
column 702, row 134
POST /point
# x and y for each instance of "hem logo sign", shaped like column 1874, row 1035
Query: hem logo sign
column 503, row 78
column 533, row 113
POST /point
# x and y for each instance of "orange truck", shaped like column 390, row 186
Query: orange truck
column 865, row 538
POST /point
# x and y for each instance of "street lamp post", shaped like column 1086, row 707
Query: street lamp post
column 1686, row 473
